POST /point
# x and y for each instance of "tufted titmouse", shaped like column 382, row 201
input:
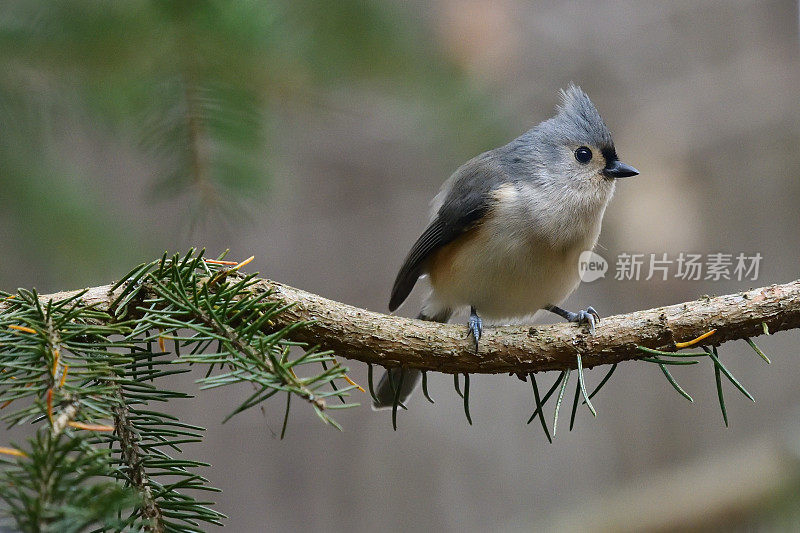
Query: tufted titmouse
column 507, row 228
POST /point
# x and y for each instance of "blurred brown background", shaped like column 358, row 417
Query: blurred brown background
column 364, row 108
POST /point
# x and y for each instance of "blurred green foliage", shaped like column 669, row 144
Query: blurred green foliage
column 192, row 85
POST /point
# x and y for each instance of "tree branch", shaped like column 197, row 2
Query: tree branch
column 134, row 466
column 377, row 338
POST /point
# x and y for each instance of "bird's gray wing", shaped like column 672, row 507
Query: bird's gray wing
column 465, row 204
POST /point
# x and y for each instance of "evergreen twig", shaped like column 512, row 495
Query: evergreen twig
column 71, row 366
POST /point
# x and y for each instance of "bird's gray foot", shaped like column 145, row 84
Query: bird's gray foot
column 475, row 326
column 586, row 316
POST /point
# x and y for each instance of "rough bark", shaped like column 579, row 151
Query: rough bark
column 377, row 338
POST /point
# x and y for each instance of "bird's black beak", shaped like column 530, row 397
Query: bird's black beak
column 617, row 169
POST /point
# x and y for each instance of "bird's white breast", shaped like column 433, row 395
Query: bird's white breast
column 524, row 255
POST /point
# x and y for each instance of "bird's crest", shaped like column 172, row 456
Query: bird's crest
column 577, row 113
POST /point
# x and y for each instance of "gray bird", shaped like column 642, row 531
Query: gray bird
column 507, row 228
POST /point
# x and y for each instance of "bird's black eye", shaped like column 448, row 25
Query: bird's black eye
column 583, row 155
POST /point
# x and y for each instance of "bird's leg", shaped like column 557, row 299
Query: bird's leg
column 586, row 316
column 475, row 326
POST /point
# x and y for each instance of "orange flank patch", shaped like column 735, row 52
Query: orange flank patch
column 440, row 265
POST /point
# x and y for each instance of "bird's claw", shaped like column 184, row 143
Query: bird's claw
column 475, row 327
column 588, row 316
